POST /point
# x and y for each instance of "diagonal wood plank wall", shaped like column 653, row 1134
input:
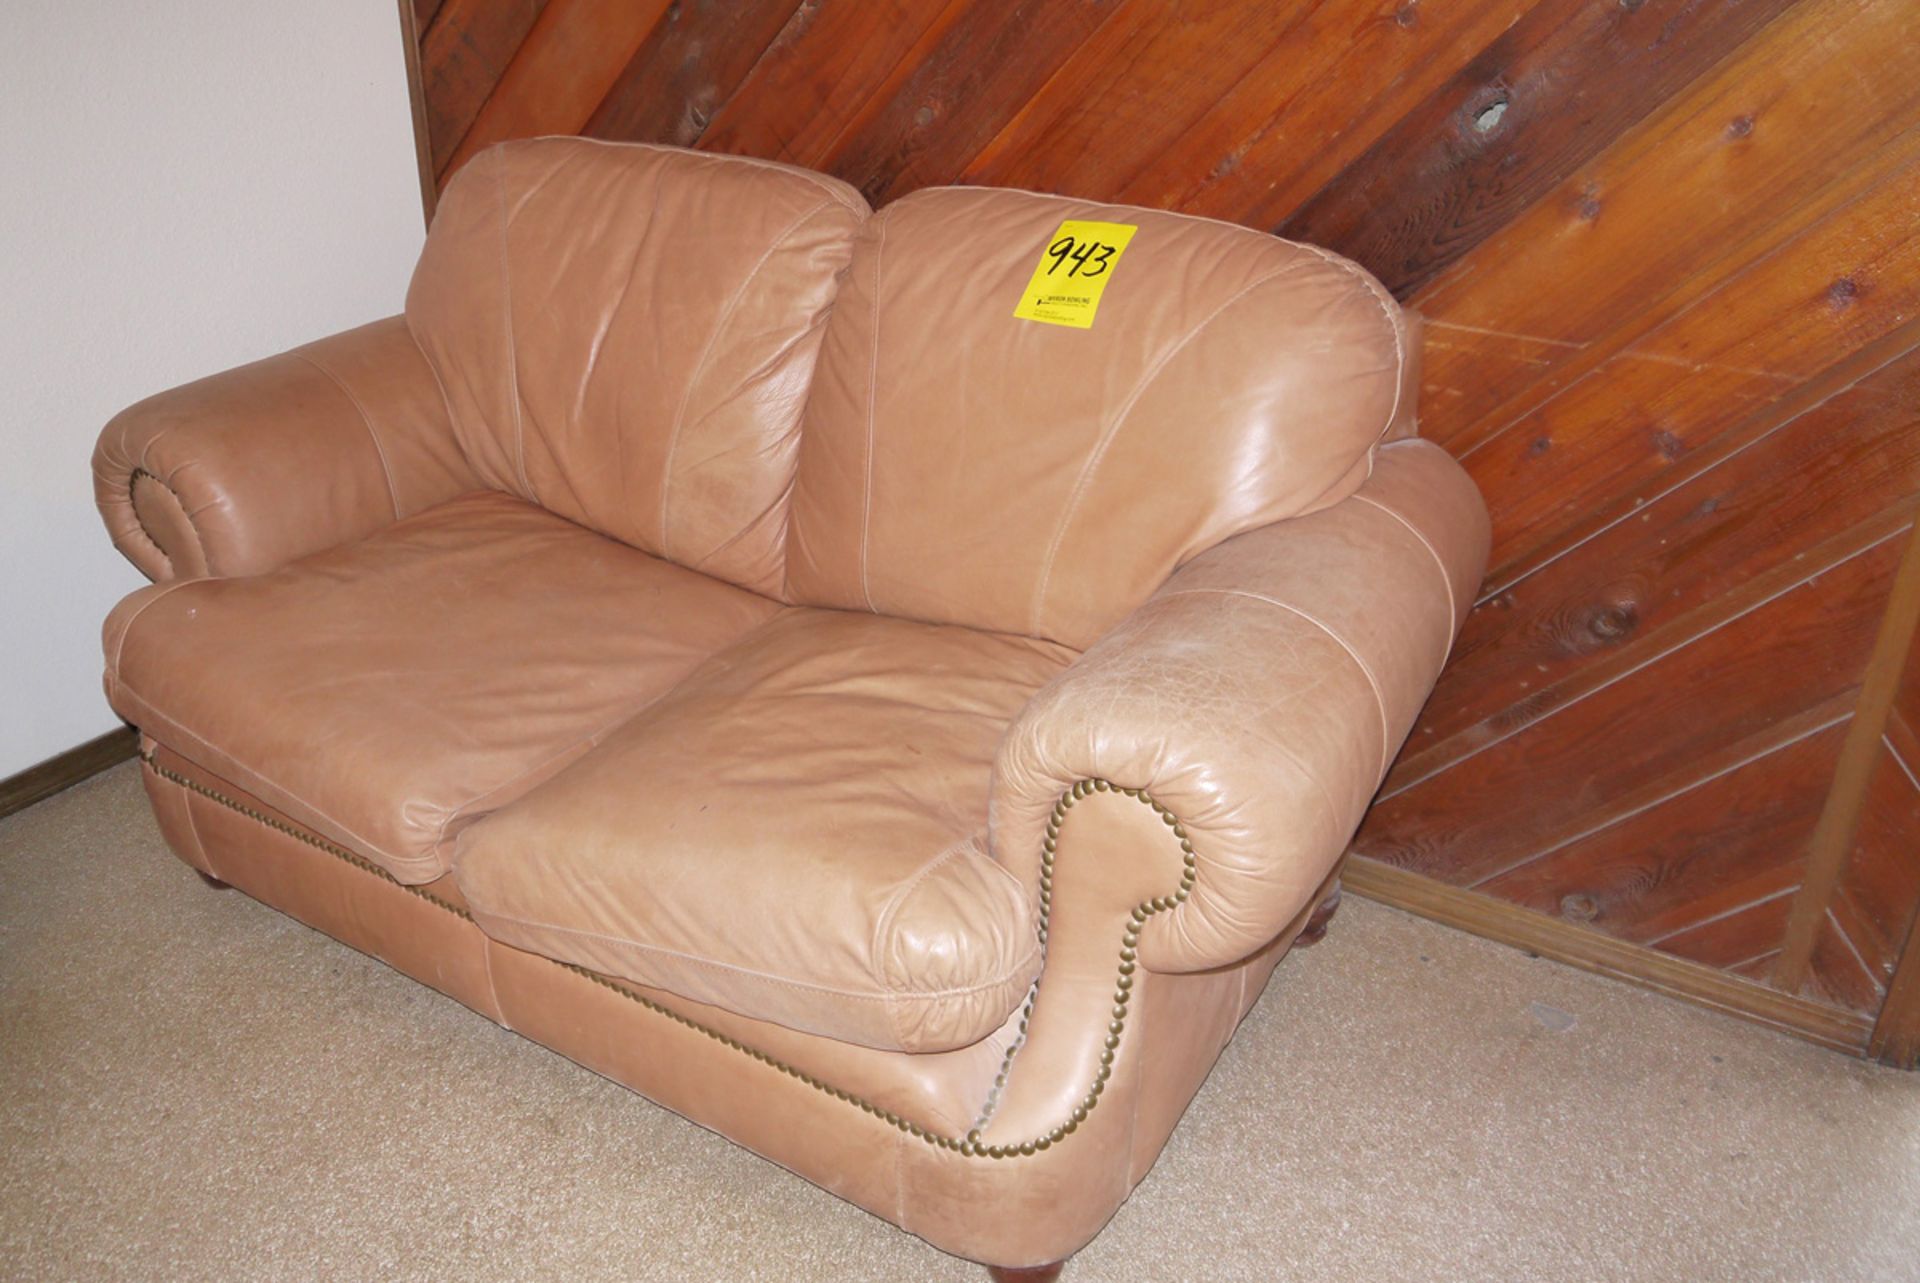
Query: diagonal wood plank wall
column 1669, row 252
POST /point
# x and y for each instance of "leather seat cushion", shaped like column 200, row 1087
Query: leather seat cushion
column 387, row 692
column 797, row 833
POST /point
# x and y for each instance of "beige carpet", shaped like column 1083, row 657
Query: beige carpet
column 194, row 1087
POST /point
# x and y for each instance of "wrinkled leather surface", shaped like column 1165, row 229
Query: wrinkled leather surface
column 1023, row 1211
column 1260, row 695
column 796, row 833
column 943, row 1091
column 246, row 470
column 964, row 466
column 805, row 835
column 626, row 334
column 1406, row 416
column 320, row 890
column 387, row 692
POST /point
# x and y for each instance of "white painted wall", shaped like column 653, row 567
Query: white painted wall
column 184, row 186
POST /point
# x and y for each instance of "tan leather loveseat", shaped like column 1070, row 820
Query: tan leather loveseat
column 710, row 634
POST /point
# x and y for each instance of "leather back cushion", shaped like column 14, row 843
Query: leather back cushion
column 626, row 333
column 964, row 466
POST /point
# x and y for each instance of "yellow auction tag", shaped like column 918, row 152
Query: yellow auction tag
column 1073, row 272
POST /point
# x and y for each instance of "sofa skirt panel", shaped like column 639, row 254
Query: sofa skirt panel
column 884, row 1130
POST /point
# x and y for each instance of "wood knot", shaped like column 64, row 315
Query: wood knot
column 1842, row 293
column 1613, row 622
column 1525, row 711
column 1578, row 908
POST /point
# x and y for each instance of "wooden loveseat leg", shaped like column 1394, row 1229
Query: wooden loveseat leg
column 1030, row 1274
column 1316, row 929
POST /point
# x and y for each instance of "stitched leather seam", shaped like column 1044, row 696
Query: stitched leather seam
column 586, row 744
column 706, row 355
column 883, row 925
column 1316, row 504
column 539, row 184
column 900, row 1212
column 138, row 527
column 146, row 454
column 873, row 387
column 1014, row 1047
column 1086, row 204
column 1446, row 580
column 583, row 745
column 1353, row 269
column 969, row 1146
column 493, row 986
column 446, row 402
column 121, row 649
column 133, row 479
column 366, row 421
column 199, row 843
column 785, row 982
column 513, row 356
column 883, row 922
column 779, row 507
column 1129, row 955
column 1112, row 432
column 837, row 192
column 1379, row 699
column 298, row 834
column 1394, row 327
column 188, row 732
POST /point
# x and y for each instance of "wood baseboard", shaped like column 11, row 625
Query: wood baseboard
column 1591, row 950
column 64, row 770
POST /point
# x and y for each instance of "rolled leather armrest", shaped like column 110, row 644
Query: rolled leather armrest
column 242, row 471
column 1259, row 697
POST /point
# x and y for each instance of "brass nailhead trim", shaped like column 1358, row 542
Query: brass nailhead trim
column 301, row 835
column 970, row 1145
column 133, row 483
